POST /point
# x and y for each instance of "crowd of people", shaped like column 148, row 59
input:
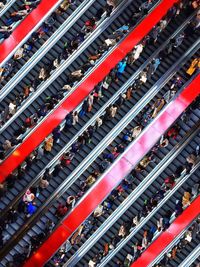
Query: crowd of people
column 16, row 16
column 27, row 49
column 91, row 224
column 67, row 157
column 192, row 233
column 67, row 50
column 49, row 104
column 162, row 224
column 85, row 138
column 28, row 205
column 52, row 100
column 72, row 118
column 47, row 27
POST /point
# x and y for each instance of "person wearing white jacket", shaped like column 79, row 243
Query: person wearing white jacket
column 138, row 50
column 135, row 54
column 113, row 111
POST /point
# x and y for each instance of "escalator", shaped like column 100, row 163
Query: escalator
column 103, row 131
column 87, row 243
column 38, row 166
column 73, row 187
column 169, row 205
column 40, row 41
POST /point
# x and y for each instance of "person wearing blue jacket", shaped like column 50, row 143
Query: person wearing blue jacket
column 30, row 209
column 120, row 69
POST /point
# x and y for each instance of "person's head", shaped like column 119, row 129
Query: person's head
column 123, row 96
column 94, row 259
column 118, row 38
column 92, row 62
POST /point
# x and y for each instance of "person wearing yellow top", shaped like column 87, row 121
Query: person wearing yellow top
column 63, row 7
column 48, row 144
column 193, row 66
